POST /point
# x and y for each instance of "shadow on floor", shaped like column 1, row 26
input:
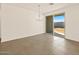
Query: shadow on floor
column 58, row 35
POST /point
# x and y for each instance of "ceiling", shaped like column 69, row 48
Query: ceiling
column 45, row 7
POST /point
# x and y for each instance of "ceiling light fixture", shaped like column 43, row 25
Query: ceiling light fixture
column 39, row 13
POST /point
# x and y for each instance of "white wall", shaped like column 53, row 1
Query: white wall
column 0, row 20
column 71, row 20
column 18, row 22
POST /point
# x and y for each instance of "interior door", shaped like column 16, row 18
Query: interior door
column 49, row 24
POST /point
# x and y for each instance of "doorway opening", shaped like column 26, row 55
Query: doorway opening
column 55, row 24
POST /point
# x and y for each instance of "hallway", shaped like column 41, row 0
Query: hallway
column 43, row 44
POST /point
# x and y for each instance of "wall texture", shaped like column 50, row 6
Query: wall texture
column 18, row 22
column 72, row 22
column 0, row 20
